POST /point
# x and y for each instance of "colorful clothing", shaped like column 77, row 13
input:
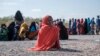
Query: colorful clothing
column 23, row 31
column 82, row 26
column 48, row 36
column 32, row 31
column 88, row 25
column 78, row 26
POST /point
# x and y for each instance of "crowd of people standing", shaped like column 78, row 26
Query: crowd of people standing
column 84, row 26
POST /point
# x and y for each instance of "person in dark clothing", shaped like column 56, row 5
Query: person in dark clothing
column 3, row 33
column 63, row 31
column 98, row 25
column 85, row 26
column 74, row 28
column 14, row 26
column 72, row 24
column 11, row 29
column 70, row 28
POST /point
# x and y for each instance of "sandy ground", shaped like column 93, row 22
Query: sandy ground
column 80, row 45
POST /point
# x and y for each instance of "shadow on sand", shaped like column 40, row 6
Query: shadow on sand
column 73, row 39
column 66, row 50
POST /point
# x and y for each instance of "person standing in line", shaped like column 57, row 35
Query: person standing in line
column 92, row 25
column 88, row 25
column 74, row 27
column 98, row 25
column 78, row 26
column 82, row 26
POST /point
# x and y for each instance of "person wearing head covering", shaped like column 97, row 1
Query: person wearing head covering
column 98, row 25
column 85, row 26
column 40, row 23
column 3, row 33
column 23, row 31
column 14, row 26
column 48, row 36
column 92, row 25
column 63, row 31
column 69, row 26
column 82, row 26
column 74, row 28
column 32, row 31
column 78, row 26
column 88, row 25
column 63, row 21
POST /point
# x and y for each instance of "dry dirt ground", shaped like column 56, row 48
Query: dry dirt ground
column 77, row 45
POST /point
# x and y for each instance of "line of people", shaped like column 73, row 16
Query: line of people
column 84, row 26
column 19, row 30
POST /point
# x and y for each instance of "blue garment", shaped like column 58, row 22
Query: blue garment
column 98, row 22
column 74, row 25
column 88, row 24
column 74, row 28
column 92, row 22
column 32, row 29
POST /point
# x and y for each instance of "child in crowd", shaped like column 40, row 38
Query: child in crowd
column 3, row 33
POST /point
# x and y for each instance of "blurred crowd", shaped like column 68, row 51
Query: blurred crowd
column 87, row 26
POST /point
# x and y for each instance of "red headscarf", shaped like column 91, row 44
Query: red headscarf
column 48, row 36
column 47, row 20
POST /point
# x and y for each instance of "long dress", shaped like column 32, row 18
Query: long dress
column 82, row 26
column 78, row 26
column 88, row 25
column 85, row 27
column 48, row 37
column 74, row 28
